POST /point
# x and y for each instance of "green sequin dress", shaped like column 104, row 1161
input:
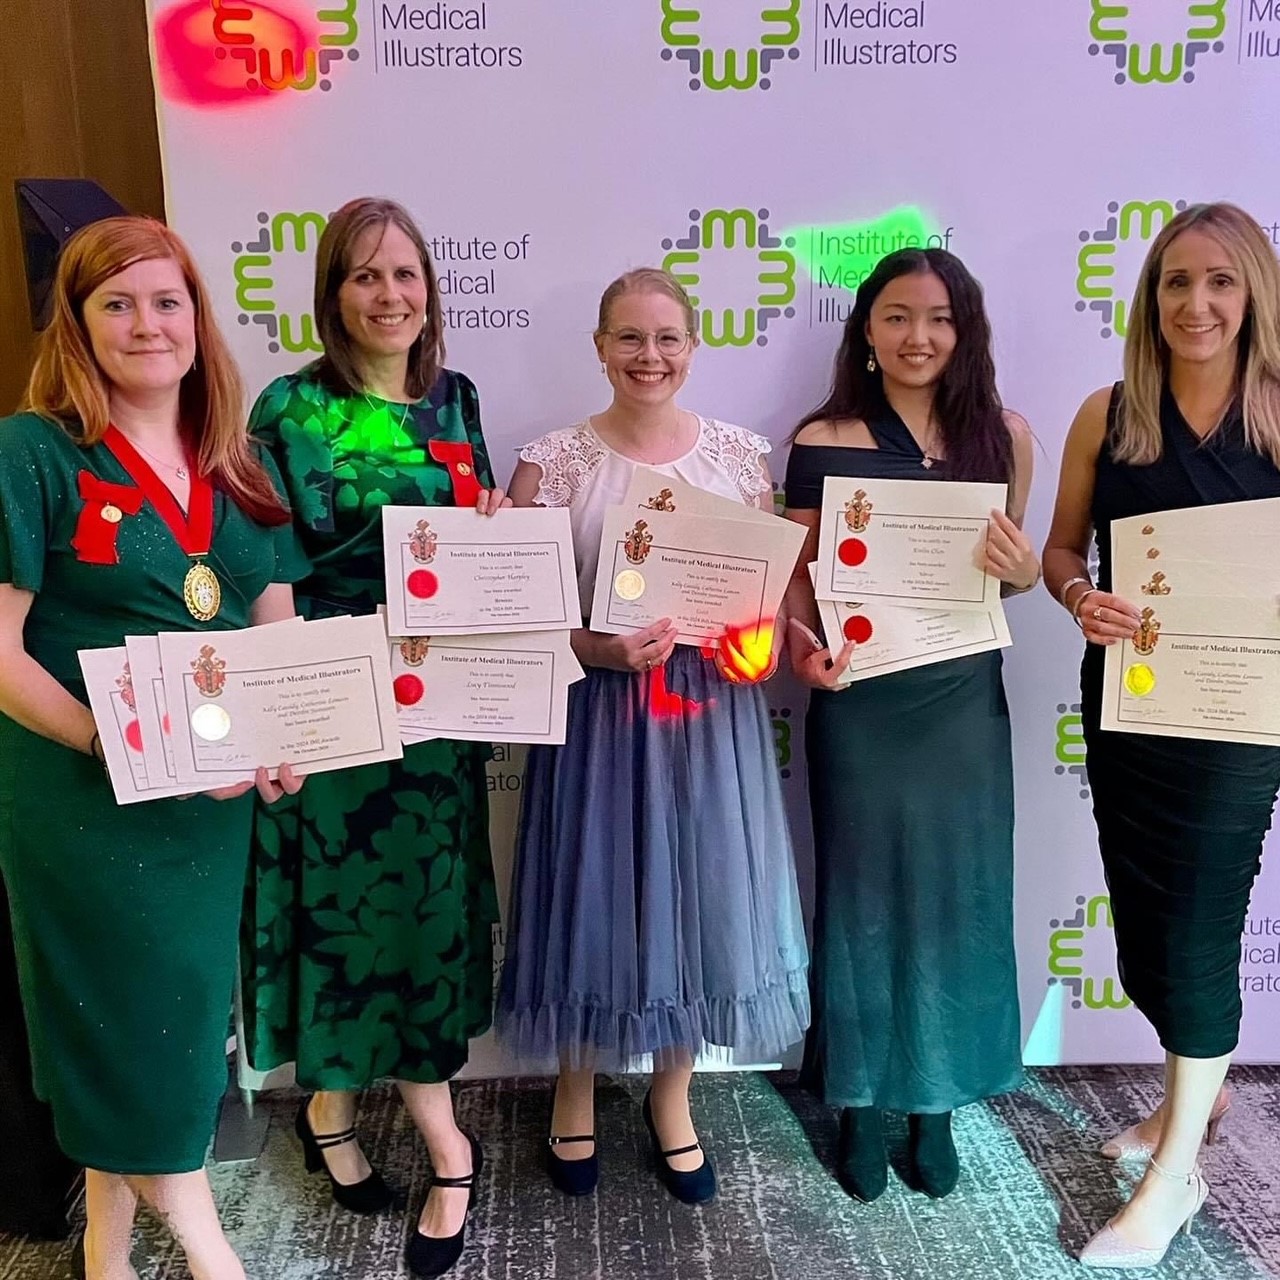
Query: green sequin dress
column 367, row 947
column 124, row 918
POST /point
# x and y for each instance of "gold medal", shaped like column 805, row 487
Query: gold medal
column 202, row 593
column 464, row 469
column 1139, row 679
column 111, row 513
column 629, row 585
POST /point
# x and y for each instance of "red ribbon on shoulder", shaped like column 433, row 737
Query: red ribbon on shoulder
column 458, row 458
column 98, row 525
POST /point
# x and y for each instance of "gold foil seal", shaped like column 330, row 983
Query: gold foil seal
column 1139, row 679
column 210, row 723
column 112, row 514
column 629, row 585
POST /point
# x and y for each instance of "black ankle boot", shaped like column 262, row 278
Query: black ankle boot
column 934, row 1163
column 862, row 1163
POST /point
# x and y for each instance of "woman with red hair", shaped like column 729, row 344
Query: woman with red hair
column 130, row 472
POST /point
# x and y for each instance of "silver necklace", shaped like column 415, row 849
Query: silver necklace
column 179, row 471
column 404, row 408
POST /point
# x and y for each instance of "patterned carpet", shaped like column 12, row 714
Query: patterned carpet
column 1031, row 1192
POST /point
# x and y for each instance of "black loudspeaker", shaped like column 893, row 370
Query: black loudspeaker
column 50, row 211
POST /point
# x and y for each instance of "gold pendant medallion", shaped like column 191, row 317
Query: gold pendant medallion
column 202, row 593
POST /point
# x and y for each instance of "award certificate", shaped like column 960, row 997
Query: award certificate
column 706, row 573
column 1198, row 667
column 114, row 701
column 893, row 637
column 906, row 542
column 493, row 688
column 453, row 572
column 317, row 695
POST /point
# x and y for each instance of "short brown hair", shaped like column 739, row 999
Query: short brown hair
column 68, row 387
column 333, row 264
column 646, row 280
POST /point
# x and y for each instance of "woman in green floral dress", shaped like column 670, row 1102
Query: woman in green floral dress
column 368, row 931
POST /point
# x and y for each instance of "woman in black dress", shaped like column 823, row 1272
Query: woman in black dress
column 911, row 774
column 1180, row 821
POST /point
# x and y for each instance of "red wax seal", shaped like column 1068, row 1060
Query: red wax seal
column 408, row 690
column 133, row 735
column 423, row 584
column 852, row 551
column 858, row 629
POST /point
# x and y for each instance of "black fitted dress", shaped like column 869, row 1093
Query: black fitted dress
column 1180, row 820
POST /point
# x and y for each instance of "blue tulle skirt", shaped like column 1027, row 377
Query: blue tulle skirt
column 654, row 906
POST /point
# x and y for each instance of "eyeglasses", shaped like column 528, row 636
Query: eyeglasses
column 668, row 342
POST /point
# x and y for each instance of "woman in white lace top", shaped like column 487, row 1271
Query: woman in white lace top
column 654, row 909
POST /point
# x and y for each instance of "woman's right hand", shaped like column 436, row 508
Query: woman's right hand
column 641, row 651
column 812, row 661
column 1105, row 618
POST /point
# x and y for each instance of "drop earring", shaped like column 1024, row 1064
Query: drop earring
column 871, row 363
column 604, row 369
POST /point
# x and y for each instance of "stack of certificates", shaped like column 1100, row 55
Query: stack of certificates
column 191, row 711
column 479, row 611
column 900, row 572
column 1205, row 659
column 712, row 565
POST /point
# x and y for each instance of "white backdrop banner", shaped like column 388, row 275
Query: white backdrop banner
column 769, row 156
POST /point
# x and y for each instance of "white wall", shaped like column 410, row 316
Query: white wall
column 563, row 142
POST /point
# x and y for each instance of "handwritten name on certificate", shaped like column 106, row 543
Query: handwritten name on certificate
column 907, row 542
column 317, row 695
column 492, row 688
column 453, row 572
column 705, row 573
column 1198, row 667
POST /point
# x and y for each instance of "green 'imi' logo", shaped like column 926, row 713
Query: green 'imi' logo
column 282, row 240
column 267, row 57
column 1080, row 948
column 1069, row 748
column 1142, row 62
column 733, row 68
column 1137, row 222
column 759, row 258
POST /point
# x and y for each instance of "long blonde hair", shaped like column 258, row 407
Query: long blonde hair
column 1146, row 354
column 68, row 387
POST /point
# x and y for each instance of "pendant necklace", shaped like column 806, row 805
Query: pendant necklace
column 180, row 471
column 404, row 408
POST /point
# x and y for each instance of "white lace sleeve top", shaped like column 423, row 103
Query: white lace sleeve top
column 581, row 472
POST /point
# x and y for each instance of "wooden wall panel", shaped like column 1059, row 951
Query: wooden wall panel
column 78, row 103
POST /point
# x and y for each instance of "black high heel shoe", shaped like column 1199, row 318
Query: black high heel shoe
column 573, row 1177
column 695, row 1187
column 428, row 1256
column 934, row 1164
column 370, row 1196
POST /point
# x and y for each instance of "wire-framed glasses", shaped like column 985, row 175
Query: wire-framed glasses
column 667, row 342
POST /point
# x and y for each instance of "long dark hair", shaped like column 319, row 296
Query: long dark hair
column 967, row 405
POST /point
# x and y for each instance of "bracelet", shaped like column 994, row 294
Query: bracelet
column 1066, row 586
column 94, row 743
